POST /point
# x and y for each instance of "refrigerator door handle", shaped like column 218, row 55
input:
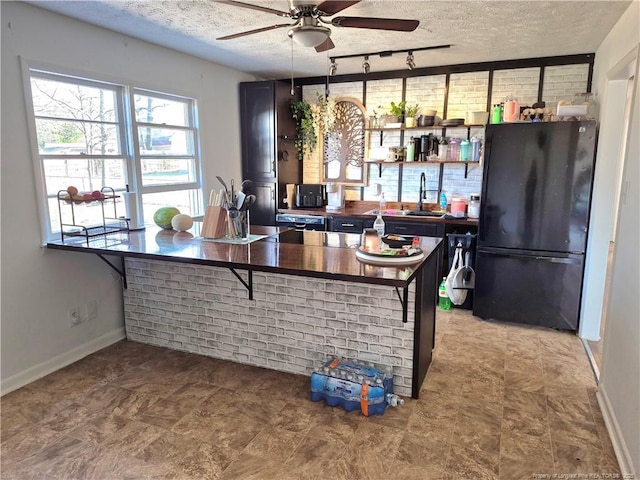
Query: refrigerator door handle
column 571, row 259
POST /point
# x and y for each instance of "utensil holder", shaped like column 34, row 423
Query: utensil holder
column 238, row 224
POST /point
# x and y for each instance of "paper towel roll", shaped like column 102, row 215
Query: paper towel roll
column 131, row 211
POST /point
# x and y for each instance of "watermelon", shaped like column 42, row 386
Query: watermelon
column 164, row 215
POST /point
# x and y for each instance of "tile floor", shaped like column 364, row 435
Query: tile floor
column 500, row 402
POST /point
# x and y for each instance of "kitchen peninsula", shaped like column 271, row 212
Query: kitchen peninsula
column 286, row 301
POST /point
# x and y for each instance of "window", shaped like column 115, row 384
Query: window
column 166, row 152
column 91, row 134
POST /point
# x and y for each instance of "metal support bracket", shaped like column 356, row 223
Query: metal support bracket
column 404, row 301
column 120, row 271
column 248, row 285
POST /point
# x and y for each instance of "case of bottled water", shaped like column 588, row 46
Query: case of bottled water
column 354, row 386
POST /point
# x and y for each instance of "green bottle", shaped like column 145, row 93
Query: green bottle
column 443, row 299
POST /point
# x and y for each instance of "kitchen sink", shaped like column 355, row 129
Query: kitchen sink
column 389, row 212
column 401, row 213
column 424, row 213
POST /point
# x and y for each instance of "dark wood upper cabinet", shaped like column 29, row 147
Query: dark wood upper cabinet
column 269, row 157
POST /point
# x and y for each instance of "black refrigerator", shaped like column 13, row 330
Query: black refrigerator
column 534, row 217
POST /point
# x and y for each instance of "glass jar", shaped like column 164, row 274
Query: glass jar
column 588, row 99
column 473, row 210
column 443, row 149
column 454, row 150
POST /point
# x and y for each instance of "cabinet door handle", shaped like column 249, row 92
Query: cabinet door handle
column 400, row 227
column 348, row 225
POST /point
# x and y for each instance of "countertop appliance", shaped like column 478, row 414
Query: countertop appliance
column 534, row 217
column 310, row 195
column 301, row 222
column 335, row 197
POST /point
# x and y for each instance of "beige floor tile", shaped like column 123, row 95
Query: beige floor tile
column 500, row 401
column 527, row 381
column 571, row 458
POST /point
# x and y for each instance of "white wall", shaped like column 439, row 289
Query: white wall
column 39, row 285
column 620, row 373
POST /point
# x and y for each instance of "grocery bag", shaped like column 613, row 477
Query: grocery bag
column 454, row 283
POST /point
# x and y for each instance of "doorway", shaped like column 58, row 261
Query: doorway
column 620, row 86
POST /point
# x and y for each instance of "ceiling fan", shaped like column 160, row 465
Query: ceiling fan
column 306, row 29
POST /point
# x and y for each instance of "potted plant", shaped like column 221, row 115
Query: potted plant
column 410, row 113
column 306, row 137
column 398, row 110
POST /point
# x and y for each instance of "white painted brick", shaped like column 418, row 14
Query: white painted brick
column 227, row 325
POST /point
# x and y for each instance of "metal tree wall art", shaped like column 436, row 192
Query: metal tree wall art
column 344, row 143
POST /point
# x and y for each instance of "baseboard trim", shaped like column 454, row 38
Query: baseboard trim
column 59, row 361
column 619, row 445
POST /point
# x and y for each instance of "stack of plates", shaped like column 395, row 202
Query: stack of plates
column 452, row 122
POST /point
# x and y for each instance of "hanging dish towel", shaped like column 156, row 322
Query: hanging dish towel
column 454, row 283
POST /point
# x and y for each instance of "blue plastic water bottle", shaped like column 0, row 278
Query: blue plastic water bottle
column 443, row 201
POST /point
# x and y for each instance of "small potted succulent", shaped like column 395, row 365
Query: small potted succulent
column 410, row 114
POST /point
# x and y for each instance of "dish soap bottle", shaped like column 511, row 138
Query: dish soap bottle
column 382, row 206
column 444, row 302
column 443, row 202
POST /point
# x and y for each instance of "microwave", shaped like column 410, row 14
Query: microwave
column 310, row 195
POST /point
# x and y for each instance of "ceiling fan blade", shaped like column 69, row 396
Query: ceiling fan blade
column 331, row 7
column 376, row 23
column 324, row 46
column 254, row 7
column 257, row 30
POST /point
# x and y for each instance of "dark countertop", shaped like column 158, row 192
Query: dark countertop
column 358, row 209
column 323, row 254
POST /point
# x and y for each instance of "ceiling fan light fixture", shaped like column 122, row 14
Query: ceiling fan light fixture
column 309, row 36
column 333, row 68
column 365, row 65
column 410, row 61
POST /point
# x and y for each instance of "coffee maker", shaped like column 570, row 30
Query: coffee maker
column 335, row 197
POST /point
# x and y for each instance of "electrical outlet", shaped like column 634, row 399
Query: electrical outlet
column 91, row 309
column 74, row 317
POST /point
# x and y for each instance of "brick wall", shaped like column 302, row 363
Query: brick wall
column 428, row 92
column 521, row 83
column 562, row 82
column 467, row 92
column 292, row 325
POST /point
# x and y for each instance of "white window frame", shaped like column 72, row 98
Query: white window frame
column 129, row 143
column 137, row 156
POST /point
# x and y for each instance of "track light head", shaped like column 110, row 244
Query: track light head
column 410, row 61
column 365, row 65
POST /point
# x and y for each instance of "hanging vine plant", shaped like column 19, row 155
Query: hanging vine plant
column 306, row 137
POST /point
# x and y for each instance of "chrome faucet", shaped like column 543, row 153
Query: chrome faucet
column 422, row 194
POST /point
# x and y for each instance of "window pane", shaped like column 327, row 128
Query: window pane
column 75, row 138
column 166, row 171
column 66, row 100
column 187, row 201
column 165, row 141
column 85, row 174
column 161, row 110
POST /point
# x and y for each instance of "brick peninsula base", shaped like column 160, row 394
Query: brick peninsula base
column 286, row 300
column 292, row 324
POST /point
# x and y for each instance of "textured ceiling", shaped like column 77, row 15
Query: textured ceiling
column 477, row 30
